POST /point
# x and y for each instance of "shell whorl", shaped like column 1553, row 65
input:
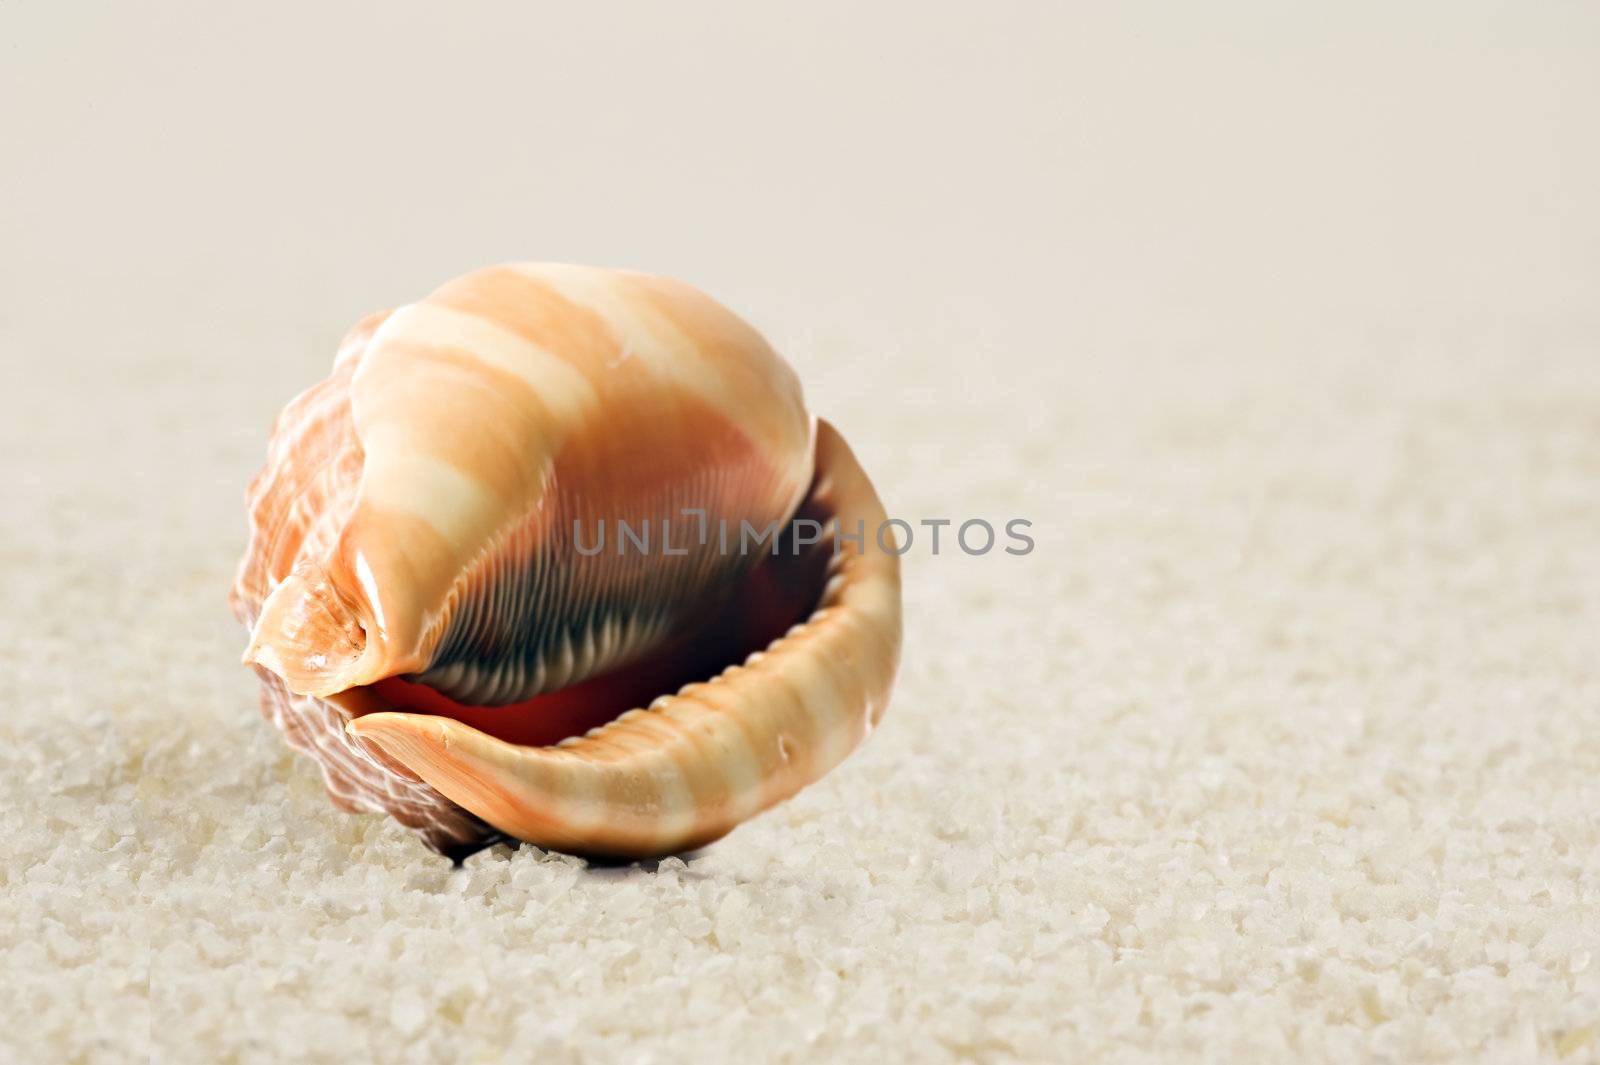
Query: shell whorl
column 492, row 416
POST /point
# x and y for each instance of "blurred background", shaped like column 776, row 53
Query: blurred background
column 1028, row 178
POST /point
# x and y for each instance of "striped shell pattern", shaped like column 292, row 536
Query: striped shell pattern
column 490, row 586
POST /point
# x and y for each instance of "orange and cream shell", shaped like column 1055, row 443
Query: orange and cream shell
column 430, row 625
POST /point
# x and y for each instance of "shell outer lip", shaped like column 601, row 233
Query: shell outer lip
column 684, row 771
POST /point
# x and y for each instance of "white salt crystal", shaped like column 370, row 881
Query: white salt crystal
column 408, row 1013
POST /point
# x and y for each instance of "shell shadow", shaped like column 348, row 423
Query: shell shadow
column 595, row 863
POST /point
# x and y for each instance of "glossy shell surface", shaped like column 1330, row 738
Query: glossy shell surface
column 429, row 625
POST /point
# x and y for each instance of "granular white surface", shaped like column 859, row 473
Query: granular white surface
column 1284, row 742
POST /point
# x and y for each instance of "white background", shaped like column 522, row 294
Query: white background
column 1026, row 177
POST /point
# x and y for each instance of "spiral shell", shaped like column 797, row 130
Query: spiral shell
column 429, row 623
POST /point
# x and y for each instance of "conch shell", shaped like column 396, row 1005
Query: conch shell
column 431, row 618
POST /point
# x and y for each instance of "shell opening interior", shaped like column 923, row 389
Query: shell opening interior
column 782, row 590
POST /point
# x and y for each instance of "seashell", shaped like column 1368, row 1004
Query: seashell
column 432, row 622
